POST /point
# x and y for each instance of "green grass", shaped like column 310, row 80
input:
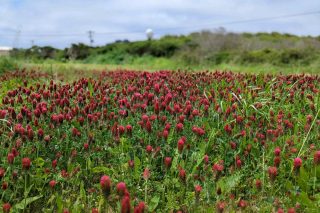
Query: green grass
column 73, row 69
column 166, row 64
column 7, row 63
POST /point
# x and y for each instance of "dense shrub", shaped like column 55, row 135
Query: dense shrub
column 259, row 56
column 200, row 48
column 219, row 58
column 295, row 56
column 78, row 51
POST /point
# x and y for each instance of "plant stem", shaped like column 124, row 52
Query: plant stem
column 263, row 175
column 315, row 179
column 105, row 205
column 146, row 192
column 25, row 191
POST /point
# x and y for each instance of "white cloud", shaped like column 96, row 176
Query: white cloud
column 77, row 17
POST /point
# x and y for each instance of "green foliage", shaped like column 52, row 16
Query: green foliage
column 219, row 58
column 154, row 203
column 200, row 49
column 77, row 51
column 295, row 56
column 227, row 184
column 37, row 53
column 113, row 57
column 7, row 64
column 278, row 57
column 259, row 56
column 25, row 202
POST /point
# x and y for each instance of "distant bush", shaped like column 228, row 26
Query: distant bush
column 219, row 58
column 189, row 57
column 77, row 51
column 258, row 56
column 199, row 48
column 277, row 57
column 167, row 46
column 295, row 56
column 113, row 57
column 139, row 48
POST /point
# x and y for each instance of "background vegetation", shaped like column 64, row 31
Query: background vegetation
column 7, row 64
column 199, row 50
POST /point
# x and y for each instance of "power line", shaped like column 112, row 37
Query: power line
column 247, row 20
column 221, row 23
column 16, row 39
column 73, row 34
column 167, row 28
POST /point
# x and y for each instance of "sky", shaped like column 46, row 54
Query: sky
column 59, row 23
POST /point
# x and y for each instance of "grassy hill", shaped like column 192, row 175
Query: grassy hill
column 204, row 49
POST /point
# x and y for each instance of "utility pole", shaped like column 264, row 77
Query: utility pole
column 16, row 39
column 91, row 33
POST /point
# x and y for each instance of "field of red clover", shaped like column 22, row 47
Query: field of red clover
column 166, row 141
